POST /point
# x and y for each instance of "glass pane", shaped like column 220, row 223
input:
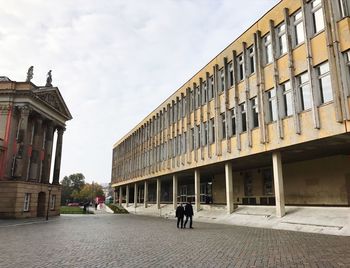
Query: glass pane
column 298, row 16
column 288, row 104
column 326, row 89
column 306, row 97
column 283, row 44
column 318, row 21
column 299, row 28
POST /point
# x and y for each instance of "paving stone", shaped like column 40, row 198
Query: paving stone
column 141, row 241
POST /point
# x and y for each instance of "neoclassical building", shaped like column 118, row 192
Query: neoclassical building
column 29, row 118
column 265, row 122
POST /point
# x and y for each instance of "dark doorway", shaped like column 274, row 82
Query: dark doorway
column 41, row 204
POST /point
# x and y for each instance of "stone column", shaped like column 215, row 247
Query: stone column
column 135, row 195
column 120, row 195
column 145, row 192
column 23, row 141
column 38, row 147
column 127, row 196
column 57, row 167
column 197, row 182
column 158, row 192
column 174, row 191
column 278, row 182
column 48, row 153
column 229, row 187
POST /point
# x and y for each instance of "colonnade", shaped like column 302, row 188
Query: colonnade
column 229, row 183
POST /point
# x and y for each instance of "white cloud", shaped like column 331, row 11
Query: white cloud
column 110, row 56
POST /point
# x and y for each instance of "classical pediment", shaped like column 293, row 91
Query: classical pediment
column 53, row 98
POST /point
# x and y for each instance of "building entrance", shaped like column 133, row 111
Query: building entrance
column 41, row 204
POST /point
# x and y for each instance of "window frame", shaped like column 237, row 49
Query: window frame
column 315, row 10
column 320, row 78
column 285, row 93
column 26, row 203
column 267, row 43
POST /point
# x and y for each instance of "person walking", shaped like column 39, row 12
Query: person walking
column 180, row 211
column 188, row 214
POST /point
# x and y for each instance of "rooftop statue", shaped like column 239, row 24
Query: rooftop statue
column 30, row 74
column 49, row 79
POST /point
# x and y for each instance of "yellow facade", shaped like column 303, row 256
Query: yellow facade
column 292, row 65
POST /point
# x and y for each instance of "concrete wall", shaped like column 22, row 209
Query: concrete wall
column 320, row 181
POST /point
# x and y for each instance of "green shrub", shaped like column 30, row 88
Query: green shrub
column 117, row 209
column 73, row 210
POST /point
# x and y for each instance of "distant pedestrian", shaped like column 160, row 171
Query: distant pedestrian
column 96, row 206
column 188, row 214
column 180, row 215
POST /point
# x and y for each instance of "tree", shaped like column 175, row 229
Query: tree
column 71, row 184
column 89, row 192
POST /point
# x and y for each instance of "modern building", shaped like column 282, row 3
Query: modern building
column 266, row 122
column 29, row 118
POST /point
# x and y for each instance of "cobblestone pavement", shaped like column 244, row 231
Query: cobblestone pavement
column 140, row 241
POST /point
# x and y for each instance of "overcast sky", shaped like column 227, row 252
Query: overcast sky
column 115, row 61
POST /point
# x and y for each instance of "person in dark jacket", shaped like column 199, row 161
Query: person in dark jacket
column 188, row 214
column 180, row 215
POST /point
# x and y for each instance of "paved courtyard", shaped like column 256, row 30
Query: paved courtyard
column 140, row 241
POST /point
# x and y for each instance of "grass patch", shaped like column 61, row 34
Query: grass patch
column 117, row 209
column 73, row 210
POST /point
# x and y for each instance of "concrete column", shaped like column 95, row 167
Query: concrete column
column 135, row 195
column 57, row 167
column 278, row 182
column 127, row 196
column 120, row 195
column 158, row 193
column 197, row 182
column 175, row 191
column 145, row 192
column 229, row 187
column 115, row 196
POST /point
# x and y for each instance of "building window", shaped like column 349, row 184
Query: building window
column 205, row 134
column 317, row 16
column 26, row 204
column 304, row 91
column 282, row 39
column 211, row 88
column 191, row 100
column 197, row 97
column 223, row 126
column 347, row 63
column 251, row 61
column 230, row 69
column 287, row 99
column 343, row 8
column 267, row 49
column 212, row 131
column 192, row 139
column 222, row 80
column 324, row 83
column 299, row 35
column 272, row 108
column 53, row 202
column 198, row 137
column 240, row 67
column 233, row 122
column 255, row 111
column 243, row 111
column 183, row 107
column 204, row 92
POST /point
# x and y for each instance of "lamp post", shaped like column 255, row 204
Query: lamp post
column 48, row 201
